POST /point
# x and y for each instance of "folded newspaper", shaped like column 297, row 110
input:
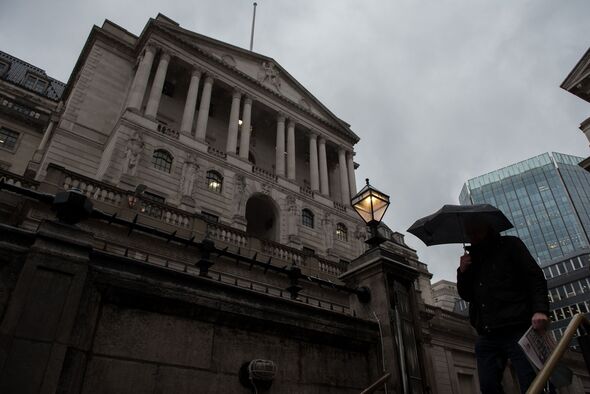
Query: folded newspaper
column 537, row 346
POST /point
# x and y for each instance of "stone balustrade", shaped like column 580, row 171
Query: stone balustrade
column 93, row 189
column 166, row 213
column 17, row 180
column 223, row 233
column 331, row 268
column 339, row 206
column 216, row 152
column 264, row 173
column 282, row 252
column 305, row 190
column 168, row 131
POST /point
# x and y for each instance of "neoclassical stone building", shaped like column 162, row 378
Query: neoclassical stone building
column 212, row 129
column 189, row 229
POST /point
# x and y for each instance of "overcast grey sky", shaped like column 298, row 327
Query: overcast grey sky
column 439, row 91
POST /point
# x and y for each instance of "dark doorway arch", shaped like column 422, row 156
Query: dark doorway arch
column 262, row 217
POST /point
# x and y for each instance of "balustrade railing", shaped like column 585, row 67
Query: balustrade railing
column 305, row 190
column 264, row 173
column 282, row 252
column 339, row 206
column 168, row 131
column 160, row 260
column 17, row 180
column 333, row 268
column 216, row 152
column 167, row 214
column 93, row 189
column 223, row 233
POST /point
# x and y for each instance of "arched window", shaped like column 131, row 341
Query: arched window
column 341, row 232
column 162, row 160
column 214, row 181
column 307, row 218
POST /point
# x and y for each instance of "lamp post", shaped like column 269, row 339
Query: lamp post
column 371, row 205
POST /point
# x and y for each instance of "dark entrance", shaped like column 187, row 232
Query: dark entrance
column 262, row 217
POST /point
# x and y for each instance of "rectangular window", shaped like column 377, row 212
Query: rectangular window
column 35, row 83
column 3, row 67
column 8, row 138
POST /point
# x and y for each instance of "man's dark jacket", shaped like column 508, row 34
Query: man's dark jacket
column 504, row 286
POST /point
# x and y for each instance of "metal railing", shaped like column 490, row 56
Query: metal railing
column 375, row 386
column 543, row 376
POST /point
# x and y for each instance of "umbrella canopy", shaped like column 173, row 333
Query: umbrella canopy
column 447, row 225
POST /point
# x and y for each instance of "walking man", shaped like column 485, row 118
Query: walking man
column 507, row 292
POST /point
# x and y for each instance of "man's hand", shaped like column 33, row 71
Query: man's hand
column 540, row 321
column 465, row 261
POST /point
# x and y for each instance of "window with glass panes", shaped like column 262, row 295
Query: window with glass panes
column 307, row 218
column 214, row 181
column 8, row 138
column 341, row 232
column 36, row 83
column 162, row 160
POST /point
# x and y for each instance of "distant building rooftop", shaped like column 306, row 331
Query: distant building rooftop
column 27, row 76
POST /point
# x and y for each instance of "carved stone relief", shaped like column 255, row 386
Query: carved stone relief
column 269, row 74
column 132, row 154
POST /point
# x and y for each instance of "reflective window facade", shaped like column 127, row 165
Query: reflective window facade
column 547, row 198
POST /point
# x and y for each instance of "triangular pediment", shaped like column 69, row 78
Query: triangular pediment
column 262, row 69
column 579, row 73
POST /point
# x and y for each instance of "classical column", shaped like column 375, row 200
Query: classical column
column 324, row 183
column 246, row 126
column 232, row 128
column 280, row 147
column 351, row 177
column 157, row 85
column 46, row 135
column 314, row 175
column 291, row 150
column 140, row 80
column 191, row 101
column 203, row 116
column 343, row 176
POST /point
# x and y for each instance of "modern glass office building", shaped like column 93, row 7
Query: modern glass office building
column 547, row 198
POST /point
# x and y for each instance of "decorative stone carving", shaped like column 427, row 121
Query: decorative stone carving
column 291, row 204
column 305, row 104
column 132, row 155
column 189, row 176
column 270, row 75
column 229, row 60
column 240, row 192
column 328, row 229
column 266, row 188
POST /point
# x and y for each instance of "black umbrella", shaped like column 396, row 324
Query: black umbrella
column 447, row 225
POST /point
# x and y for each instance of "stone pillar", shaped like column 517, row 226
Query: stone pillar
column 351, row 177
column 232, row 128
column 324, row 183
column 585, row 127
column 314, row 175
column 280, row 146
column 246, row 126
column 291, row 150
column 46, row 135
column 153, row 104
column 203, row 116
column 343, row 176
column 191, row 101
column 394, row 302
column 140, row 80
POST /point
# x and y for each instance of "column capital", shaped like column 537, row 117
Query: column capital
column 165, row 54
column 291, row 123
column 209, row 78
column 342, row 149
column 150, row 47
column 322, row 140
column 312, row 135
column 281, row 117
column 196, row 72
column 236, row 94
column 248, row 99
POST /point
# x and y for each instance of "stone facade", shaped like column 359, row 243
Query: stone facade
column 222, row 233
column 445, row 294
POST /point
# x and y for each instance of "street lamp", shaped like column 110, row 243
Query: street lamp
column 371, row 205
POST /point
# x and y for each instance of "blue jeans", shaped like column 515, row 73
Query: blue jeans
column 492, row 353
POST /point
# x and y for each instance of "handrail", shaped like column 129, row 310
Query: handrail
column 544, row 374
column 372, row 388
